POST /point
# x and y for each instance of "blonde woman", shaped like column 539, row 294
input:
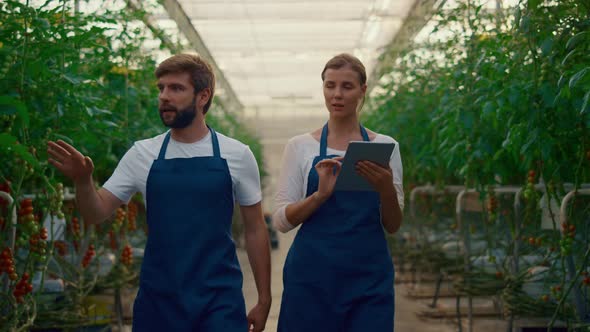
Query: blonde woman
column 339, row 274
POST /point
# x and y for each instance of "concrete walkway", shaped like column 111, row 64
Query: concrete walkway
column 405, row 321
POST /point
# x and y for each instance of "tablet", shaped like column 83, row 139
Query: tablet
column 349, row 179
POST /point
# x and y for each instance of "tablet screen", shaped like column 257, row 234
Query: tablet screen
column 349, row 180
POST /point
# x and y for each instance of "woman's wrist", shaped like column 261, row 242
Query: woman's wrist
column 388, row 194
column 320, row 197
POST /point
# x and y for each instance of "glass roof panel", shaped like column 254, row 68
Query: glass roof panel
column 273, row 51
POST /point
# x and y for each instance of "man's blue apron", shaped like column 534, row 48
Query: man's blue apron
column 190, row 278
column 338, row 275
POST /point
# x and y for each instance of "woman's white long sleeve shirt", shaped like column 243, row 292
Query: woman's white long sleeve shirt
column 297, row 162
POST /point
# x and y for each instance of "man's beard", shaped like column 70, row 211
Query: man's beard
column 183, row 118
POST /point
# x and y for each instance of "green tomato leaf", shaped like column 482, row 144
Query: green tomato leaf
column 577, row 77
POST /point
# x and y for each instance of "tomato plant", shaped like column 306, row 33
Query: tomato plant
column 501, row 98
column 88, row 79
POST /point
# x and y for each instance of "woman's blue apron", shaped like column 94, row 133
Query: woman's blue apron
column 339, row 274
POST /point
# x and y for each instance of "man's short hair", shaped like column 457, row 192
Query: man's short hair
column 199, row 69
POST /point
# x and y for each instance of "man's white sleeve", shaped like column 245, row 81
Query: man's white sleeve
column 247, row 190
column 123, row 183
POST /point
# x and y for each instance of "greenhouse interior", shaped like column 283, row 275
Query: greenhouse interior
column 485, row 227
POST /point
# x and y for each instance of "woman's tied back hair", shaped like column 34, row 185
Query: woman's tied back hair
column 343, row 60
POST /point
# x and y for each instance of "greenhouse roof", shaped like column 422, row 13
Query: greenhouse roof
column 268, row 54
column 273, row 51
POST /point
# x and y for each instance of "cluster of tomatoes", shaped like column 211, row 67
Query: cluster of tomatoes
column 30, row 226
column 25, row 212
column 56, row 201
column 131, row 217
column 557, row 291
column 75, row 231
column 26, row 166
column 7, row 264
column 535, row 241
column 90, row 253
column 567, row 239
column 61, row 247
column 119, row 219
column 126, row 256
column 38, row 244
column 22, row 288
column 116, row 227
column 529, row 190
column 113, row 240
column 75, row 227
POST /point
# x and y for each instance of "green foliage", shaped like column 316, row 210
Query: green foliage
column 502, row 98
column 86, row 79
column 504, row 93
column 69, row 76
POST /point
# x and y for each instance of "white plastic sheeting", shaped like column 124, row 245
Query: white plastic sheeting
column 273, row 51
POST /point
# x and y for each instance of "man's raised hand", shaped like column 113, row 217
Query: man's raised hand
column 70, row 161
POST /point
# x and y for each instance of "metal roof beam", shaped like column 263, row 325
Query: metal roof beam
column 420, row 13
column 228, row 100
column 148, row 20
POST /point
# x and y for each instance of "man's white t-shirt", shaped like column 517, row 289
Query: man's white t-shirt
column 131, row 174
column 298, row 157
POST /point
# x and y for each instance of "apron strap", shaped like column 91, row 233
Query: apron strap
column 215, row 142
column 364, row 134
column 216, row 152
column 324, row 139
column 164, row 147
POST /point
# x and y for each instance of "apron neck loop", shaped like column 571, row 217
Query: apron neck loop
column 324, row 139
column 216, row 152
column 164, row 147
column 364, row 134
column 215, row 142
